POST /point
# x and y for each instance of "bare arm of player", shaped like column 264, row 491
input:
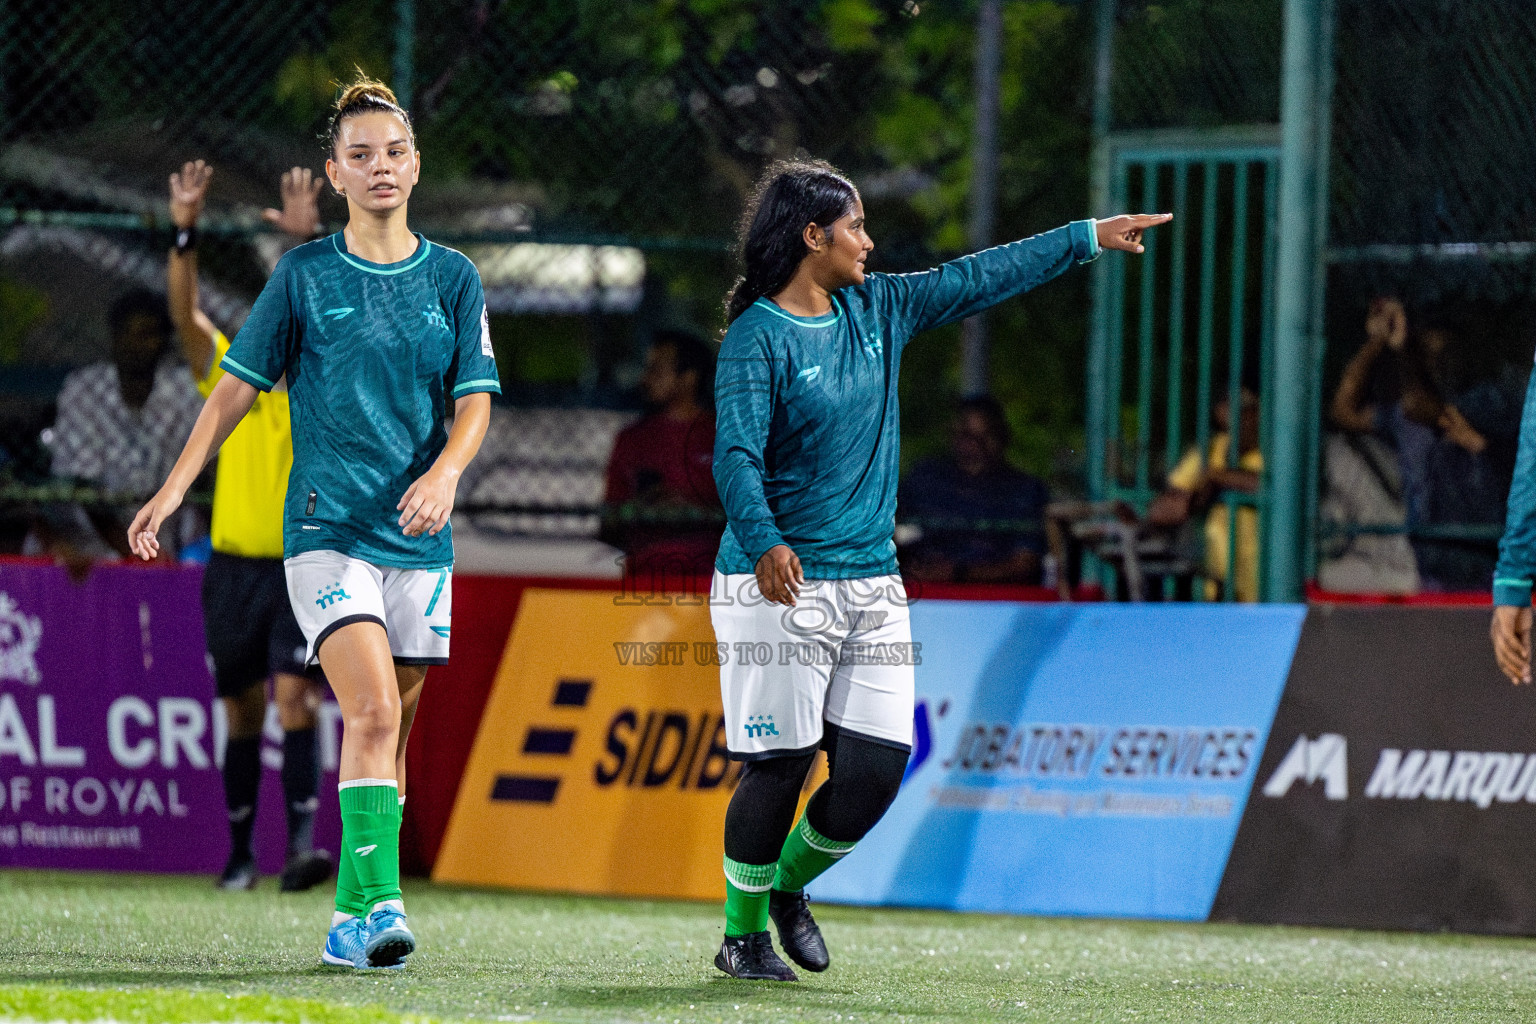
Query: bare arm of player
column 232, row 398
column 189, row 190
column 1511, row 633
column 779, row 575
column 427, row 503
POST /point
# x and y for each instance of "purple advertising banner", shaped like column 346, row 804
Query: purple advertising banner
column 110, row 735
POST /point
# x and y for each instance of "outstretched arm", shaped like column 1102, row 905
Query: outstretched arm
column 232, row 398
column 970, row 284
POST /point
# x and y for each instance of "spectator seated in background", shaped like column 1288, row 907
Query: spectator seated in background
column 1454, row 431
column 121, row 424
column 1363, row 478
column 944, row 496
column 1197, row 484
column 661, row 505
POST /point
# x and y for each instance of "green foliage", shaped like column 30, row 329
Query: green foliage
column 21, row 309
column 850, row 25
column 926, row 121
column 307, row 83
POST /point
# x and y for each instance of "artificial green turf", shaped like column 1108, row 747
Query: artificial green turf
column 141, row 943
column 152, row 1005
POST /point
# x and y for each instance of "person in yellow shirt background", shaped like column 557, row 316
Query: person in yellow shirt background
column 1198, row 482
column 251, row 630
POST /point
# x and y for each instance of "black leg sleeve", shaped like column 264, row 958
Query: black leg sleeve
column 762, row 809
column 863, row 779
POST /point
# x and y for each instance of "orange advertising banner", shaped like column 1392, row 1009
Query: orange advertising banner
column 600, row 765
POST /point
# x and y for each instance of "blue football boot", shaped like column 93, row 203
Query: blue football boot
column 346, row 945
column 388, row 938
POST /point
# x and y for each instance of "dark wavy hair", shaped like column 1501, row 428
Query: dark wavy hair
column 789, row 195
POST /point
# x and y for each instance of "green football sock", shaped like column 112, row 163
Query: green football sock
column 746, row 897
column 349, row 896
column 370, row 843
column 806, row 854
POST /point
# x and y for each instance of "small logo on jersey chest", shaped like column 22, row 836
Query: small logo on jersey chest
column 808, row 374
column 435, row 318
column 339, row 313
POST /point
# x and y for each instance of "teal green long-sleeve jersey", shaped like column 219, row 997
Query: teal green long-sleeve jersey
column 807, row 435
column 1517, row 548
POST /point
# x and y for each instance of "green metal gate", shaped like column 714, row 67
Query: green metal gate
column 1188, row 322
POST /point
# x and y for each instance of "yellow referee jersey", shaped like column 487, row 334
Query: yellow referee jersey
column 252, row 476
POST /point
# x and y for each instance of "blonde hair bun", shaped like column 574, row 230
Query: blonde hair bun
column 365, row 88
column 362, row 96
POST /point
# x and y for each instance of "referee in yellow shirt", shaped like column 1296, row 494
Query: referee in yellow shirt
column 252, row 634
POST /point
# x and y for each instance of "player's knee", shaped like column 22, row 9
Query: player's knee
column 865, row 780
column 246, row 711
column 295, row 703
column 374, row 719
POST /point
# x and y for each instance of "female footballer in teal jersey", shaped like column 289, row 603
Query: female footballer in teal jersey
column 806, row 457
column 375, row 328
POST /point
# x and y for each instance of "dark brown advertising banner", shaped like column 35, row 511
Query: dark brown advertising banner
column 1398, row 785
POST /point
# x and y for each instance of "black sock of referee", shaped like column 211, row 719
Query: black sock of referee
column 242, row 776
column 301, row 786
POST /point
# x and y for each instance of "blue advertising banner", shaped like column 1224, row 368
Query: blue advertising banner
column 1090, row 760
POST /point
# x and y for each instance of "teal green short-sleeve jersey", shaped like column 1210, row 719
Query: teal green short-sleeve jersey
column 807, row 425
column 374, row 353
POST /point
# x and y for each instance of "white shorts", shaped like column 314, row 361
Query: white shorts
column 843, row 654
column 329, row 590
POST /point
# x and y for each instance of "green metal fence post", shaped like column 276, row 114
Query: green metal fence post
column 1235, row 339
column 1175, row 424
column 1324, row 118
column 1098, row 405
column 404, row 70
column 1267, row 355
column 1146, row 353
column 1294, row 280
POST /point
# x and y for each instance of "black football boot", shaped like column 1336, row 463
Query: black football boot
column 751, row 958
column 798, row 933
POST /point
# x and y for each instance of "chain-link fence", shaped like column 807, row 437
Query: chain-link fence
column 591, row 158
column 626, row 119
column 1429, row 147
column 1432, row 149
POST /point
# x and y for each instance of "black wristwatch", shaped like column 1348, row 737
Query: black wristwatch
column 186, row 239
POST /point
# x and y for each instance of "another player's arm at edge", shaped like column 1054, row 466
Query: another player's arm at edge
column 1512, row 578
column 231, row 399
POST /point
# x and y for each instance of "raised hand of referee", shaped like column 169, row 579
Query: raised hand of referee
column 189, row 190
column 1124, row 231
column 300, row 215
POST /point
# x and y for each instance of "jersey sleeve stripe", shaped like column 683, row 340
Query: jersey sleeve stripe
column 479, row 385
column 246, row 374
